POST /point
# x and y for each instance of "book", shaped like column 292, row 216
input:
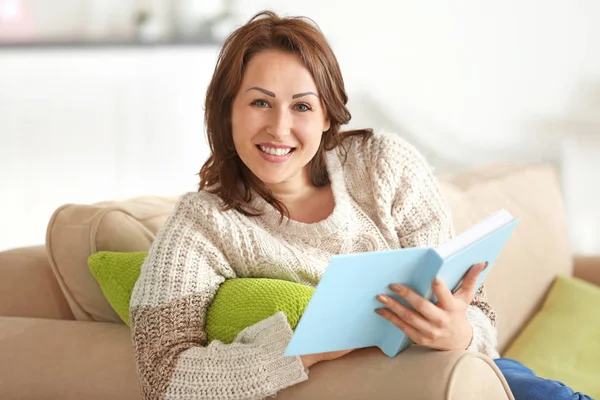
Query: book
column 341, row 312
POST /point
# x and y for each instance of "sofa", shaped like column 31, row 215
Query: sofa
column 60, row 339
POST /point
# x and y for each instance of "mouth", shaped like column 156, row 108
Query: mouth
column 278, row 152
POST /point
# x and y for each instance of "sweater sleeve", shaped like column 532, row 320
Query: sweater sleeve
column 423, row 218
column 179, row 279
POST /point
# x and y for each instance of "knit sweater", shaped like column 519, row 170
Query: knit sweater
column 386, row 197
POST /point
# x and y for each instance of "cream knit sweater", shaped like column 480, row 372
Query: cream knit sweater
column 385, row 198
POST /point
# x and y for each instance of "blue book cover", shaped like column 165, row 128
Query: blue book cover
column 341, row 313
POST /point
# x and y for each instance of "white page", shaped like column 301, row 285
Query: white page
column 474, row 233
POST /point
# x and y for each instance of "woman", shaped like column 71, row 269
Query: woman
column 283, row 191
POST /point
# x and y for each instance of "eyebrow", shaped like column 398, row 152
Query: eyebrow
column 265, row 91
column 269, row 93
column 304, row 94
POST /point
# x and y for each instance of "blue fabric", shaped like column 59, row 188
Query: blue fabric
column 525, row 385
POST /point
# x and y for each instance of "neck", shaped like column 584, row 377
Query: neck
column 295, row 190
column 324, row 210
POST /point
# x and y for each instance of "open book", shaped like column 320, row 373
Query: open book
column 341, row 313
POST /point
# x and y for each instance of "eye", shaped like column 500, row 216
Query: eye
column 260, row 103
column 302, row 107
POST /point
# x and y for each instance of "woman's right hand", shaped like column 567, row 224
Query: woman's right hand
column 309, row 360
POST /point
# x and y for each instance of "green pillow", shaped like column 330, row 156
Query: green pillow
column 116, row 274
column 242, row 302
column 562, row 341
column 239, row 302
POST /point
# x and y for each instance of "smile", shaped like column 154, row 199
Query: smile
column 275, row 155
column 275, row 151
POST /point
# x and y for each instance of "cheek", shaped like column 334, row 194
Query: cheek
column 309, row 133
column 243, row 126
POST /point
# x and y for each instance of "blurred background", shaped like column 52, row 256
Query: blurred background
column 103, row 99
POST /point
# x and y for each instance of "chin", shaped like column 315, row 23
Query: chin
column 271, row 176
column 270, row 179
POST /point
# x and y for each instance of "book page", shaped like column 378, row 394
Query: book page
column 474, row 233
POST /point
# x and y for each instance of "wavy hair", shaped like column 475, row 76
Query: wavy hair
column 224, row 173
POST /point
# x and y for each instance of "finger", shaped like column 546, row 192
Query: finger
column 332, row 355
column 467, row 289
column 444, row 295
column 411, row 317
column 423, row 306
column 414, row 334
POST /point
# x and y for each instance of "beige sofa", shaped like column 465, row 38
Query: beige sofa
column 59, row 338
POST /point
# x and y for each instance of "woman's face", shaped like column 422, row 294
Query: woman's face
column 278, row 118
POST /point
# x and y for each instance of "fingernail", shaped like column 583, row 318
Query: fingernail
column 396, row 288
column 436, row 280
column 379, row 311
column 382, row 299
column 485, row 265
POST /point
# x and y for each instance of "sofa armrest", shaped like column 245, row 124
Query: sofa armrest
column 67, row 360
column 417, row 374
column 28, row 287
column 587, row 268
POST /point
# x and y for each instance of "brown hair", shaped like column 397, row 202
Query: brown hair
column 224, row 171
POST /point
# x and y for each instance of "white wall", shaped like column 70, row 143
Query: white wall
column 471, row 75
column 81, row 127
column 467, row 81
column 471, row 82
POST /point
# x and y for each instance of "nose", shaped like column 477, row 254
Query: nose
column 280, row 124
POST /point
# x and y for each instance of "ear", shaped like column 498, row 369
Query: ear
column 327, row 124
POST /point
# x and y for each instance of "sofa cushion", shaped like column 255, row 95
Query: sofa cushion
column 562, row 341
column 77, row 231
column 539, row 248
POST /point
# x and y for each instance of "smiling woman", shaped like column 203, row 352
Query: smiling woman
column 277, row 99
column 277, row 131
column 283, row 191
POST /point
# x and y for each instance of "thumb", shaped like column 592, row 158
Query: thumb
column 467, row 289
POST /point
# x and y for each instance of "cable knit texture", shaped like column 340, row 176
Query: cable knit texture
column 386, row 197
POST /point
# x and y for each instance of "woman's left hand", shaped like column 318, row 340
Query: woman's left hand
column 441, row 326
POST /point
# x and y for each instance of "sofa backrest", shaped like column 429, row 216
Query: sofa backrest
column 537, row 251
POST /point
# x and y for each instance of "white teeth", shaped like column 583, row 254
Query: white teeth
column 274, row 151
